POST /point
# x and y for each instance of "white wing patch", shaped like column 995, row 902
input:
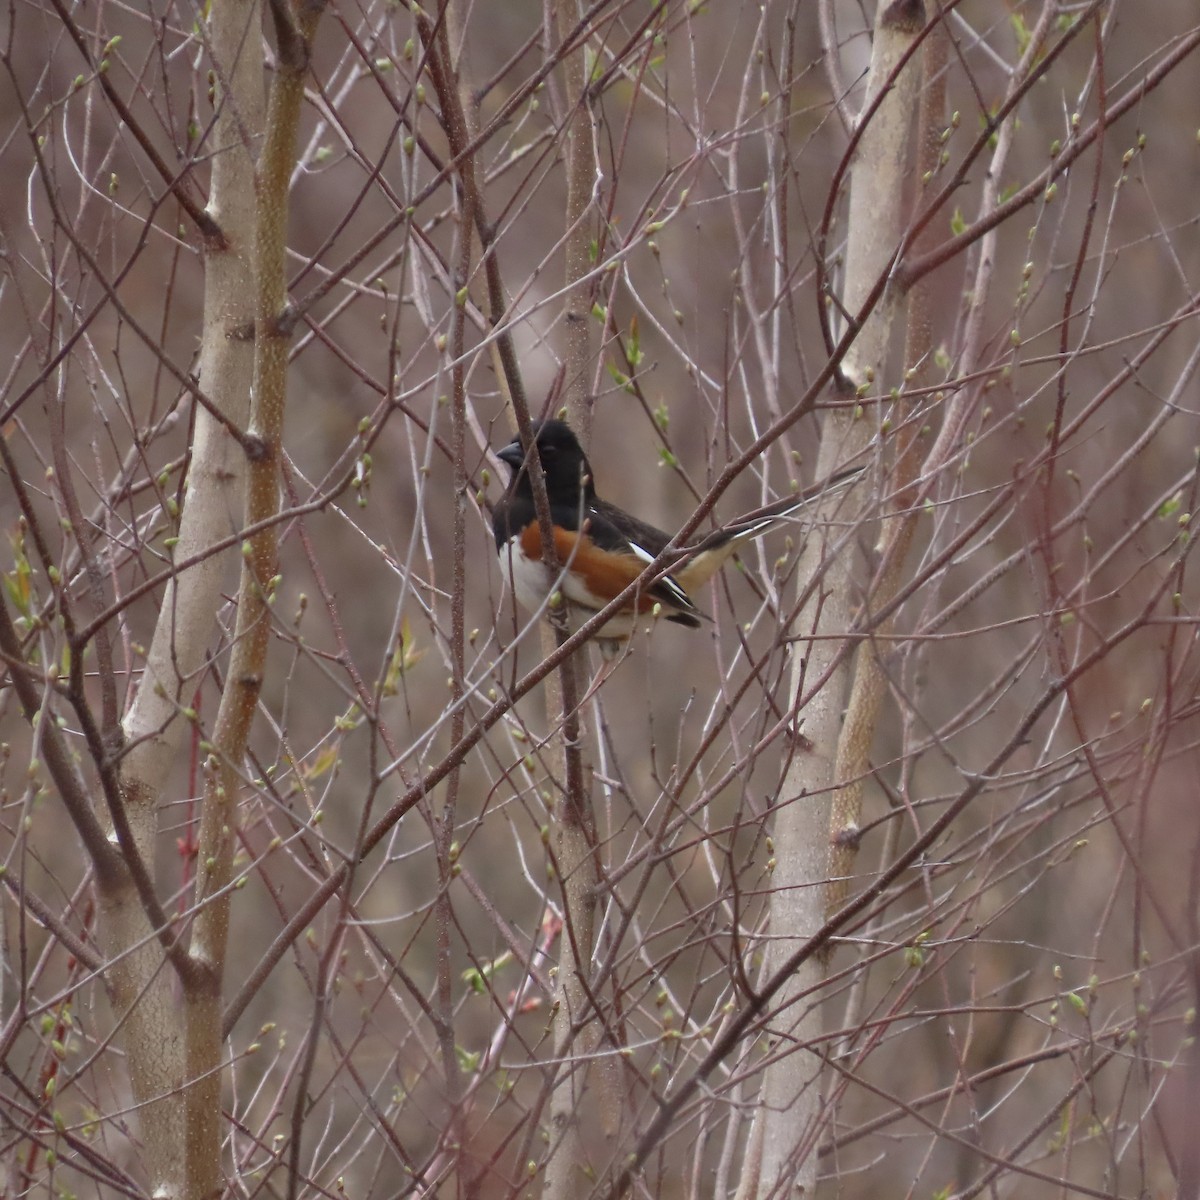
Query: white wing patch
column 668, row 585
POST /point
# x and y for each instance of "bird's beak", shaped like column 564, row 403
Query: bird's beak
column 512, row 454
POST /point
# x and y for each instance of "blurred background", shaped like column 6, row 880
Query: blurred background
column 1015, row 1009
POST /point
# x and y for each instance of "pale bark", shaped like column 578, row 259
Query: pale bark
column 792, row 1104
column 576, row 1030
column 226, row 365
column 142, row 988
column 870, row 678
column 259, row 564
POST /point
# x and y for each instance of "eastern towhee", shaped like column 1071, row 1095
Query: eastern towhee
column 602, row 549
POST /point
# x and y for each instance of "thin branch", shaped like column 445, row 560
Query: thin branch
column 176, row 184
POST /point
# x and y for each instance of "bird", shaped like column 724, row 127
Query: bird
column 601, row 549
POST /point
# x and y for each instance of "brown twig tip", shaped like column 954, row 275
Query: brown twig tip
column 257, row 448
column 800, row 741
column 849, row 837
column 284, row 325
column 212, row 236
column 904, row 16
column 113, row 741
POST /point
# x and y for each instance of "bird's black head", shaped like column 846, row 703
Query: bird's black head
column 564, row 463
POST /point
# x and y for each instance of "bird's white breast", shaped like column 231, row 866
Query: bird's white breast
column 533, row 583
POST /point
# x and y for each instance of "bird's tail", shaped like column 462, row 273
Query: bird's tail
column 701, row 560
column 761, row 519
